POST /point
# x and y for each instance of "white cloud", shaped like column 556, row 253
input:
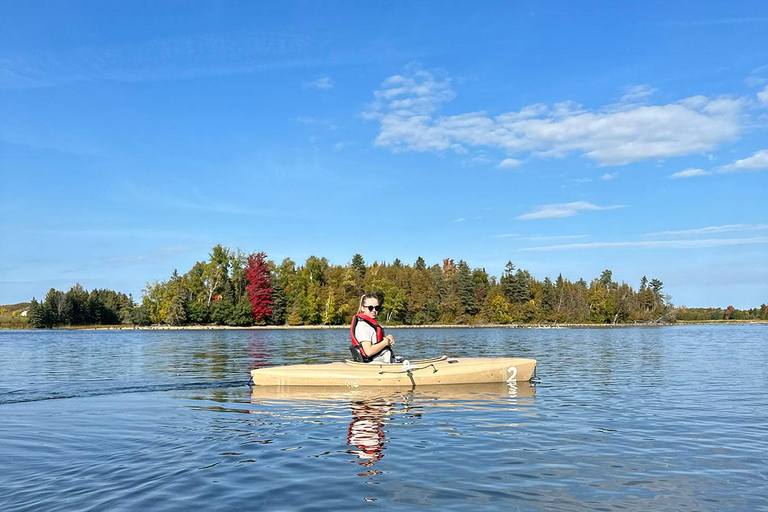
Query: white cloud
column 608, row 176
column 460, row 219
column 688, row 173
column 755, row 162
column 727, row 228
column 321, row 83
column 556, row 211
column 634, row 95
column 758, row 77
column 763, row 96
column 655, row 244
column 406, row 108
column 509, row 163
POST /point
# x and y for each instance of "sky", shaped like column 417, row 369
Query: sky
column 566, row 137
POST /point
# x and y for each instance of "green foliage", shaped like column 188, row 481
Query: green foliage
column 451, row 293
column 79, row 307
column 318, row 292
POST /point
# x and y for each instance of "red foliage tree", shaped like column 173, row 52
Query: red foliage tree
column 259, row 286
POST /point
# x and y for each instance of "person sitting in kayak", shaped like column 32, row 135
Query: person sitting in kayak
column 368, row 336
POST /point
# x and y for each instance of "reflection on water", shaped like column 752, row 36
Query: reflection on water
column 372, row 409
column 366, row 430
column 622, row 420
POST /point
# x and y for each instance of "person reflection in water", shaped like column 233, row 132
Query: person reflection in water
column 366, row 431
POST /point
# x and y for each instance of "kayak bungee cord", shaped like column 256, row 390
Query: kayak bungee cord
column 408, row 368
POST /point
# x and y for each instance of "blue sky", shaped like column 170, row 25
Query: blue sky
column 567, row 137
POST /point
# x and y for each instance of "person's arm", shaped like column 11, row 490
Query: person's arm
column 371, row 349
column 366, row 334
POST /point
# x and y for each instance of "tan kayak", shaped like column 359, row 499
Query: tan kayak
column 426, row 372
column 452, row 393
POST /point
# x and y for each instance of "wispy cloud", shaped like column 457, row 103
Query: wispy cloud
column 688, row 173
column 158, row 254
column 406, row 106
column 556, row 211
column 655, row 244
column 316, row 121
column 539, row 238
column 460, row 219
column 323, row 83
column 106, row 233
column 762, row 96
column 509, row 163
column 709, row 230
column 637, row 93
column 169, row 58
column 608, row 176
column 756, row 162
column 745, row 20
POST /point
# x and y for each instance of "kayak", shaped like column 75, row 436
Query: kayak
column 365, row 394
column 425, row 372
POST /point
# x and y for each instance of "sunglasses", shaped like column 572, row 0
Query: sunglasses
column 371, row 308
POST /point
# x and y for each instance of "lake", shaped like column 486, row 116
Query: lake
column 626, row 419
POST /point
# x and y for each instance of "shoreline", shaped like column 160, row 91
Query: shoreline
column 403, row 326
column 204, row 327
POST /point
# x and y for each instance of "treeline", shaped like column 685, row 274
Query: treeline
column 238, row 289
column 234, row 288
column 80, row 307
column 729, row 313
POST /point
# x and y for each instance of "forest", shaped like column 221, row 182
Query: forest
column 243, row 289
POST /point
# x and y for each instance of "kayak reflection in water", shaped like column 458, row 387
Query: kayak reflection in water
column 366, row 431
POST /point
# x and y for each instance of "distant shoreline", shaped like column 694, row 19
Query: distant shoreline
column 401, row 326
column 199, row 327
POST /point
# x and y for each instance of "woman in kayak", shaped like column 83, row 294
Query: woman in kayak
column 368, row 335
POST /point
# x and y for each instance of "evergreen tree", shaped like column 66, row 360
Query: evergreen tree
column 279, row 304
column 37, row 315
column 548, row 298
column 466, row 290
column 223, row 306
column 77, row 302
column 358, row 265
column 242, row 313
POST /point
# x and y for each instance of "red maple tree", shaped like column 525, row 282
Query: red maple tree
column 259, row 286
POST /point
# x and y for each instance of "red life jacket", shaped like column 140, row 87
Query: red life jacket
column 370, row 321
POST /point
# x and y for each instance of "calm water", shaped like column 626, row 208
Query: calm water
column 632, row 419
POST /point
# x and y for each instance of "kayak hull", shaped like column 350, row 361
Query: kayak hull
column 455, row 392
column 426, row 372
